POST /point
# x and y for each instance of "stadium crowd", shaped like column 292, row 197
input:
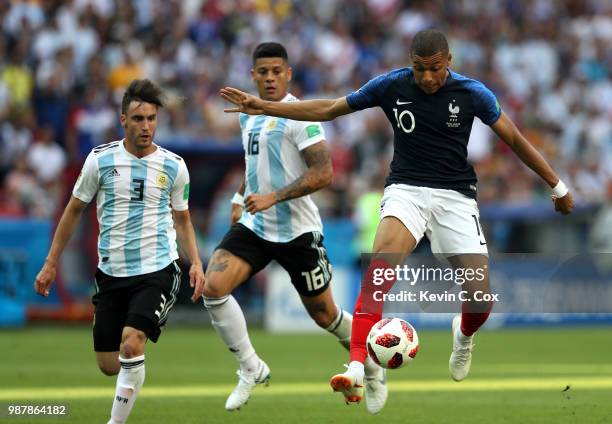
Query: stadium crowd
column 64, row 64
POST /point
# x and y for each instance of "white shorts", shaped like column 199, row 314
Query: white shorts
column 450, row 219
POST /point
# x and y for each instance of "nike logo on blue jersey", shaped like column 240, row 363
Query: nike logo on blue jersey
column 399, row 103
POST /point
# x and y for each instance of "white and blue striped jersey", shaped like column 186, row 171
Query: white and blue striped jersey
column 135, row 198
column 272, row 154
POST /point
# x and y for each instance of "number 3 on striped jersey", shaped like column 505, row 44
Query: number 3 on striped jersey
column 162, row 306
column 138, row 188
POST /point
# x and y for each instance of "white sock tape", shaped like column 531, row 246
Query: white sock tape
column 238, row 199
column 560, row 190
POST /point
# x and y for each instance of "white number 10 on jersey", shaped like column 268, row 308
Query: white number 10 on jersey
column 399, row 118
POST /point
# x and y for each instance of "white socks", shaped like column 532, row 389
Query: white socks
column 462, row 339
column 129, row 381
column 228, row 319
column 341, row 327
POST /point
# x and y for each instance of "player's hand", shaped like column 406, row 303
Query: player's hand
column 236, row 213
column 259, row 202
column 45, row 277
column 564, row 204
column 196, row 280
column 245, row 102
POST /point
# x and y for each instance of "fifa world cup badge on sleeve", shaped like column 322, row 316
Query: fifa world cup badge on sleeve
column 312, row 130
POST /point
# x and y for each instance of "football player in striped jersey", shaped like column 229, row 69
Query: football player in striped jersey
column 286, row 161
column 142, row 193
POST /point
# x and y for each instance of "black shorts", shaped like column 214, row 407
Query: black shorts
column 304, row 258
column 142, row 302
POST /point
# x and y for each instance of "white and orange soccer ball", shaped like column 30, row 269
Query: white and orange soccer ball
column 392, row 343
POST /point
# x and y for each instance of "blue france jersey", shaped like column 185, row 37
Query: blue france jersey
column 134, row 199
column 431, row 132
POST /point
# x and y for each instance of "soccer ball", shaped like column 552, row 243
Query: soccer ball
column 392, row 343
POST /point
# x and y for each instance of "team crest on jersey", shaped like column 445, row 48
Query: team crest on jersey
column 271, row 125
column 162, row 180
column 453, row 119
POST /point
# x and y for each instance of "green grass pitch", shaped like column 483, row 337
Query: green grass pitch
column 518, row 376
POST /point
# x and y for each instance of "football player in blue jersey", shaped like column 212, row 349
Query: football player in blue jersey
column 142, row 193
column 431, row 189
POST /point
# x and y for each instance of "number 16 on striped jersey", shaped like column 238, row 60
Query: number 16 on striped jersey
column 314, row 279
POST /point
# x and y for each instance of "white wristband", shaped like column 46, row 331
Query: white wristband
column 238, row 199
column 560, row 190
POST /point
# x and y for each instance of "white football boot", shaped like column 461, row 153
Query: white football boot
column 350, row 383
column 375, row 386
column 246, row 383
column 461, row 358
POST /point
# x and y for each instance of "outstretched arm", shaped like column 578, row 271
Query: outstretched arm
column 64, row 231
column 510, row 134
column 187, row 240
column 318, row 175
column 306, row 110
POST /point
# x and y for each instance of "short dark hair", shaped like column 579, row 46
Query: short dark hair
column 270, row 49
column 428, row 42
column 142, row 90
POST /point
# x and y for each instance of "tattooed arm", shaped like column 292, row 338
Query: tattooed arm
column 317, row 176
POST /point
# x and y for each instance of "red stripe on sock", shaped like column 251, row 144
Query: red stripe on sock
column 368, row 310
column 362, row 322
column 472, row 321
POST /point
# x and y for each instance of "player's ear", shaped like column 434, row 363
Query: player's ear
column 289, row 73
column 449, row 59
column 123, row 120
column 253, row 74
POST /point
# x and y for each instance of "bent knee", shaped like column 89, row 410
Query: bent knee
column 133, row 344
column 109, row 369
column 215, row 289
column 323, row 318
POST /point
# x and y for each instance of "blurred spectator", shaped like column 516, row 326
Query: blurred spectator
column 85, row 42
column 127, row 70
column 23, row 12
column 15, row 139
column 17, row 77
column 25, row 196
column 55, row 82
column 91, row 123
column 49, row 40
column 547, row 61
column 46, row 158
column 367, row 212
